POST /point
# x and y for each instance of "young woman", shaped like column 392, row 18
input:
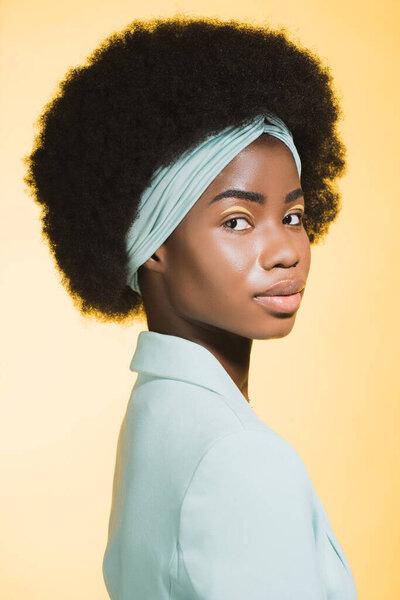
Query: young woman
column 184, row 172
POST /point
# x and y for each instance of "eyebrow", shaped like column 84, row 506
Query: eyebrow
column 255, row 196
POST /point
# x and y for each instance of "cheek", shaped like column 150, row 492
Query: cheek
column 220, row 263
column 235, row 253
column 204, row 274
column 188, row 273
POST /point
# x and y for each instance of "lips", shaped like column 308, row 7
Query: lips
column 285, row 287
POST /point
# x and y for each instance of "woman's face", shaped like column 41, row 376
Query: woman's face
column 226, row 251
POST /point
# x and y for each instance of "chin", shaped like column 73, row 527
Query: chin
column 276, row 327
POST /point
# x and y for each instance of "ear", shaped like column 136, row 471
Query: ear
column 157, row 261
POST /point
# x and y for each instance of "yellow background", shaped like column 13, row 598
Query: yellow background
column 331, row 388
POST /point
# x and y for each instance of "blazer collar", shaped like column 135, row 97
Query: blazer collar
column 173, row 357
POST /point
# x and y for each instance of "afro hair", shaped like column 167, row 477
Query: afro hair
column 144, row 96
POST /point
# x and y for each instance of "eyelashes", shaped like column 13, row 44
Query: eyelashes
column 225, row 226
column 298, row 214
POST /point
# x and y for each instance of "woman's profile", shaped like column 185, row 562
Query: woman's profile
column 184, row 172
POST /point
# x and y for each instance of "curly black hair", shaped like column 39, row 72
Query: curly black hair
column 145, row 95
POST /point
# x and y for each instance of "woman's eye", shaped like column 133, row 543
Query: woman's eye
column 300, row 216
column 234, row 220
column 231, row 224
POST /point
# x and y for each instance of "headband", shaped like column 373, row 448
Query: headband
column 174, row 189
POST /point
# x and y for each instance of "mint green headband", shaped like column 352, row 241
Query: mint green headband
column 174, row 189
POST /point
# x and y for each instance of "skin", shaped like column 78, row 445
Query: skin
column 201, row 282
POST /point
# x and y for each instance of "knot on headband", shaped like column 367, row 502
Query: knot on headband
column 174, row 189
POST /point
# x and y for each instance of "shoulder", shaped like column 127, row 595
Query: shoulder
column 188, row 411
column 258, row 460
column 206, row 422
column 195, row 431
column 246, row 521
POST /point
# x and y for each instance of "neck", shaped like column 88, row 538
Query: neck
column 231, row 350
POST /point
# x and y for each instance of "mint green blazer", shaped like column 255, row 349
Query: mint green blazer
column 208, row 502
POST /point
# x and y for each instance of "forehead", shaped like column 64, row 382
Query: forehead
column 266, row 166
column 266, row 153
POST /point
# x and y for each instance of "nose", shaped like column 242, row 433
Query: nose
column 279, row 248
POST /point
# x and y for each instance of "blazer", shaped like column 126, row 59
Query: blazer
column 209, row 502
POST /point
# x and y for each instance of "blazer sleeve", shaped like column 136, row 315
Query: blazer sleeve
column 246, row 528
